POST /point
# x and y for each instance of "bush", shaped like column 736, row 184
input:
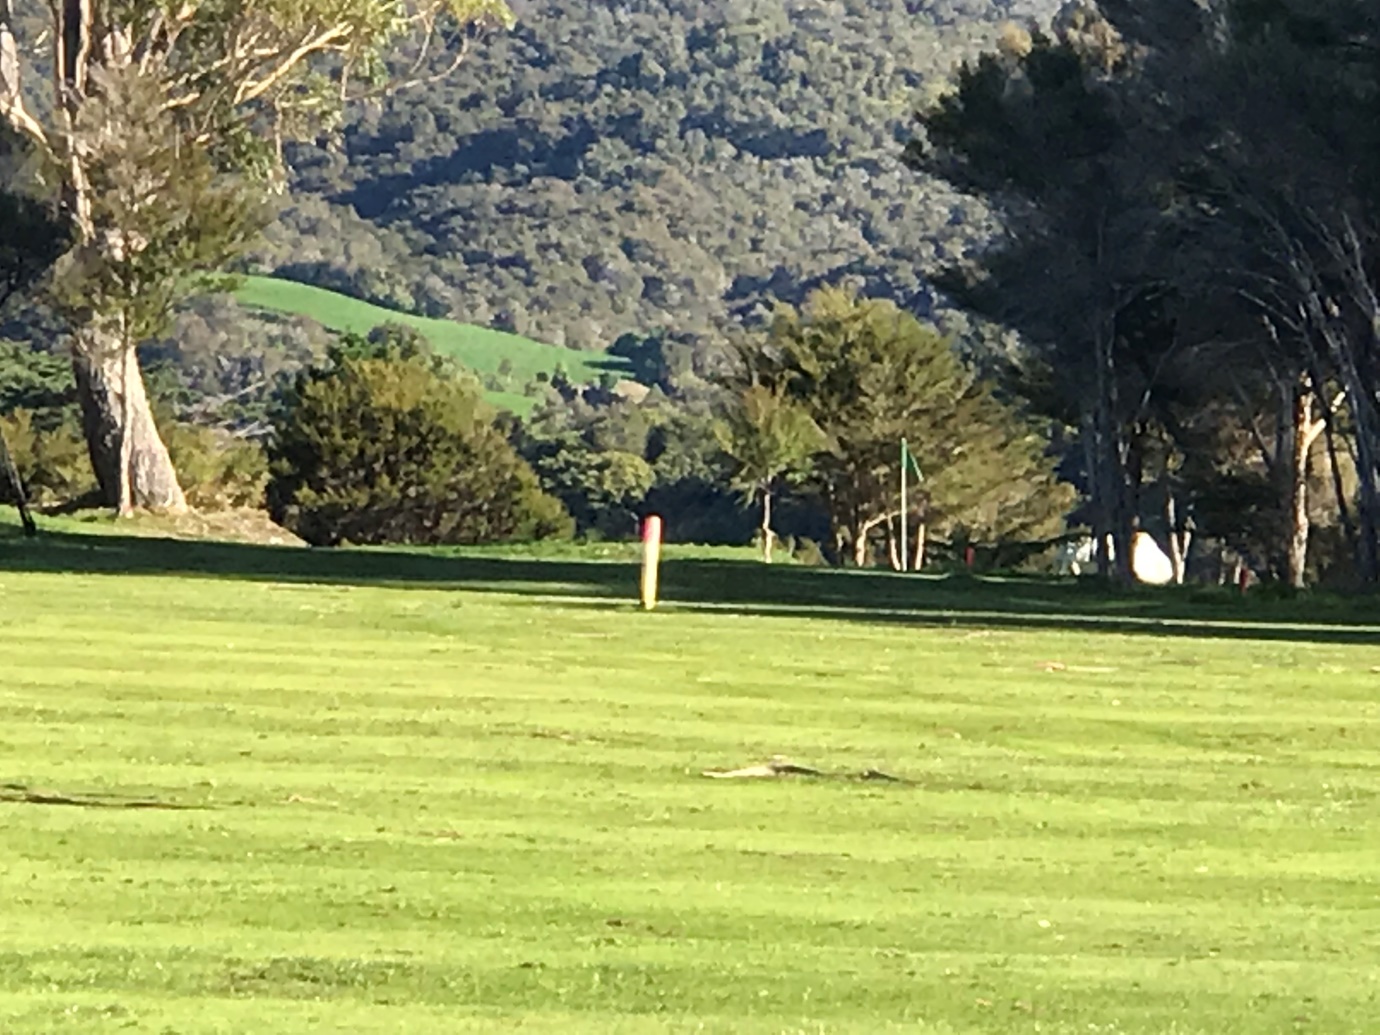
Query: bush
column 808, row 553
column 217, row 470
column 53, row 463
column 386, row 445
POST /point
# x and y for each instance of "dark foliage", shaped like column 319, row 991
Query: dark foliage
column 606, row 170
column 32, row 232
column 385, row 445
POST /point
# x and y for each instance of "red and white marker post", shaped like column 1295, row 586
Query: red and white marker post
column 651, row 560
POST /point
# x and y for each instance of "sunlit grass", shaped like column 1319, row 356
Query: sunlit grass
column 482, row 349
column 476, row 803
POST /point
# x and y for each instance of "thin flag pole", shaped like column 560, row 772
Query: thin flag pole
column 905, row 539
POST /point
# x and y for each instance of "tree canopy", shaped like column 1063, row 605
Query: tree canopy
column 1187, row 200
column 657, row 165
column 156, row 118
column 386, row 443
column 869, row 375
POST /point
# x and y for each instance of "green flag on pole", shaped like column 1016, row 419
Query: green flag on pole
column 908, row 462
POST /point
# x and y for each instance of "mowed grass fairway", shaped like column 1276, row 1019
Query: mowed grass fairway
column 439, row 794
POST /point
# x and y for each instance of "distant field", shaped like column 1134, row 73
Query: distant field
column 462, row 792
column 480, row 348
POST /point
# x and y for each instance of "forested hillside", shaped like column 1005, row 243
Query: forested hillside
column 658, row 167
column 652, row 165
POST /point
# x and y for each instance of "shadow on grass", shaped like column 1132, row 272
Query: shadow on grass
column 725, row 586
column 18, row 793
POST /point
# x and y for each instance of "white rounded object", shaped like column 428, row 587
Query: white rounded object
column 1149, row 563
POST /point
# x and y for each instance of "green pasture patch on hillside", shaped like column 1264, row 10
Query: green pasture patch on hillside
column 461, row 791
column 522, row 405
column 480, row 348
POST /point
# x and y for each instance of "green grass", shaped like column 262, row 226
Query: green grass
column 461, row 792
column 480, row 348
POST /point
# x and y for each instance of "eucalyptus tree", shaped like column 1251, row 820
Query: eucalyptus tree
column 161, row 121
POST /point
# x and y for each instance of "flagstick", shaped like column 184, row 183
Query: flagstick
column 905, row 544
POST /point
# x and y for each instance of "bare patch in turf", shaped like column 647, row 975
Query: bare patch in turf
column 779, row 767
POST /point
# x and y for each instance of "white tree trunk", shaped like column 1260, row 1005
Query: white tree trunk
column 132, row 465
column 1305, row 430
column 1179, row 540
column 1112, row 447
column 768, row 536
column 860, row 536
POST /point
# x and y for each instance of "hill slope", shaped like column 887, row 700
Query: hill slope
column 227, row 354
column 482, row 349
column 649, row 165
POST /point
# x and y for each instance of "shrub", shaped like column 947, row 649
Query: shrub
column 217, row 470
column 601, row 487
column 808, row 553
column 387, row 445
column 52, row 462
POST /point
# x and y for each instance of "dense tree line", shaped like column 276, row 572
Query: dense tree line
column 1190, row 220
column 645, row 168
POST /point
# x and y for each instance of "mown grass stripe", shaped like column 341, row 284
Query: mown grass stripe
column 473, row 809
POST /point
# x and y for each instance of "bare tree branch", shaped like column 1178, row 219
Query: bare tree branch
column 12, row 108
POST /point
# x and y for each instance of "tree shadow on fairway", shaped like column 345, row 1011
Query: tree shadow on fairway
column 728, row 587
